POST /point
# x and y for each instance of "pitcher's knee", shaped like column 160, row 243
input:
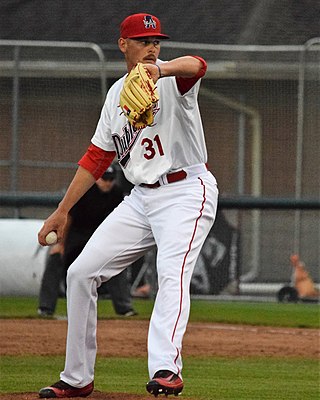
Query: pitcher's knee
column 76, row 273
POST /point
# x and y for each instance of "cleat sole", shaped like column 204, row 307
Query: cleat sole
column 156, row 389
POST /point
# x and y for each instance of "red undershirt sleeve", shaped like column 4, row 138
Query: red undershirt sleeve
column 185, row 84
column 96, row 160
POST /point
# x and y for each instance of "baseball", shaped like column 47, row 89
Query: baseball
column 51, row 238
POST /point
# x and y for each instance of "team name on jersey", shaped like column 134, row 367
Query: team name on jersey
column 124, row 143
column 127, row 140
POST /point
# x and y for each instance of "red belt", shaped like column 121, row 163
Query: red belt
column 173, row 177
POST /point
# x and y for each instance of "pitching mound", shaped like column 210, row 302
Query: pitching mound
column 47, row 337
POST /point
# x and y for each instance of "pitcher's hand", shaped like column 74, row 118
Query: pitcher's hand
column 56, row 222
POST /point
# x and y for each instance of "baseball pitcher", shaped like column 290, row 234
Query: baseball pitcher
column 151, row 123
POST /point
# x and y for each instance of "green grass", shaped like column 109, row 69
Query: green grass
column 287, row 315
column 205, row 379
column 274, row 314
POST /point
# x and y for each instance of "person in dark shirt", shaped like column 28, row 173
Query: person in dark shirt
column 83, row 220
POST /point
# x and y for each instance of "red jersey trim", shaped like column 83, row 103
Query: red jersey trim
column 96, row 160
column 185, row 84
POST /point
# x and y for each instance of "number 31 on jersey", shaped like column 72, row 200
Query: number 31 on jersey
column 152, row 147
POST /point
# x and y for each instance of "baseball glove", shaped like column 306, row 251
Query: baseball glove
column 138, row 96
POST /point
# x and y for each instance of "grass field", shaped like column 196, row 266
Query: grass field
column 216, row 378
column 221, row 379
column 302, row 315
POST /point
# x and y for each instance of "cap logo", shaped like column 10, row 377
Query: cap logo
column 149, row 22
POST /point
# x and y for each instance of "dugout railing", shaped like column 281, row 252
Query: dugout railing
column 261, row 117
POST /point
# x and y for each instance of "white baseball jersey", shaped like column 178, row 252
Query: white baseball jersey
column 175, row 140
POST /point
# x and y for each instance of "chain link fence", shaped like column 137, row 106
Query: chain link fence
column 261, row 113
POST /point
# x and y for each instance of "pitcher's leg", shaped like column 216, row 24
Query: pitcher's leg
column 82, row 320
column 103, row 257
column 179, row 245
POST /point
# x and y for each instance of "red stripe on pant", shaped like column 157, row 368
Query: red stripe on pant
column 183, row 266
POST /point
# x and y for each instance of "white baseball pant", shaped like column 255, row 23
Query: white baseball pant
column 177, row 218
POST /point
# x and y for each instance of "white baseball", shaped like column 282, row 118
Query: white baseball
column 51, row 238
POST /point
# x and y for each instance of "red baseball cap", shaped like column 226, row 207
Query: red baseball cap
column 141, row 25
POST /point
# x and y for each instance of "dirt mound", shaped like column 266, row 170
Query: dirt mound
column 48, row 337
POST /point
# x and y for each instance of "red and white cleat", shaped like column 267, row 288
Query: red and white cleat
column 165, row 382
column 62, row 390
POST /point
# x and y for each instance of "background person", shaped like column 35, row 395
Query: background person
column 83, row 220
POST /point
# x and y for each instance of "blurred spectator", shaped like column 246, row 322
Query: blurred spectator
column 83, row 220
